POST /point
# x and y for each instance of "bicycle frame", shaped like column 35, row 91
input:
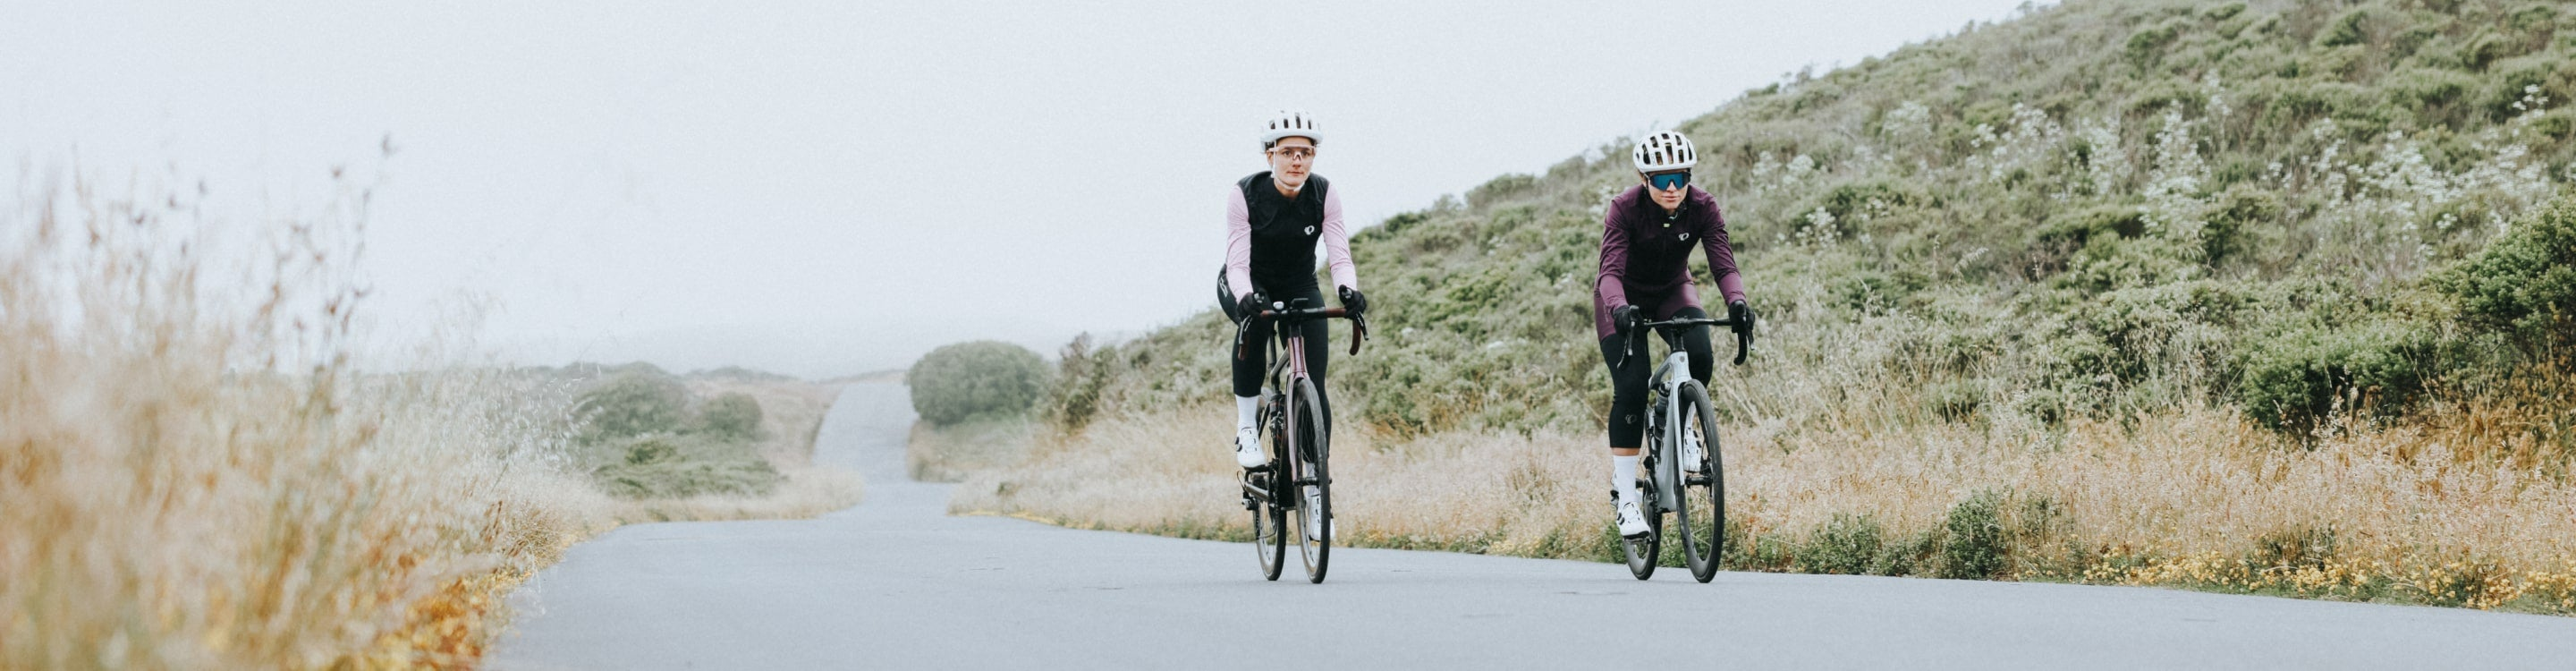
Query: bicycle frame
column 1286, row 370
column 1664, row 386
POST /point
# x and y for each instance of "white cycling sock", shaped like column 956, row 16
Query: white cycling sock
column 1245, row 407
column 1623, row 477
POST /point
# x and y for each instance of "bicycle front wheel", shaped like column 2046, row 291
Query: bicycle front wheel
column 1642, row 552
column 1309, row 454
column 1269, row 537
column 1702, row 515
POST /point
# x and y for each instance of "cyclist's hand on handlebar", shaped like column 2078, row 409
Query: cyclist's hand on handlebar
column 1742, row 315
column 1354, row 302
column 1252, row 304
column 1624, row 319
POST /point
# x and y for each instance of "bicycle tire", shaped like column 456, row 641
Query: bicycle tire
column 1702, row 515
column 1643, row 553
column 1269, row 533
column 1309, row 438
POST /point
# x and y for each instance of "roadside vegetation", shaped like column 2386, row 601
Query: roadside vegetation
column 202, row 471
column 724, row 444
column 2250, row 296
column 975, row 400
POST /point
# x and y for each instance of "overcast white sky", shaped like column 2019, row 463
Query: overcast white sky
column 823, row 188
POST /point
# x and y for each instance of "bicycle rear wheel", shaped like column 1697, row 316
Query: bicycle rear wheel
column 1702, row 515
column 1309, row 455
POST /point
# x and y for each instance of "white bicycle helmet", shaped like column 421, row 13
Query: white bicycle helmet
column 1665, row 150
column 1289, row 123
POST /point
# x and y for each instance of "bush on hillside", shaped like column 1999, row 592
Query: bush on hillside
column 632, row 404
column 661, row 465
column 731, row 416
column 2293, row 380
column 2525, row 281
column 975, row 379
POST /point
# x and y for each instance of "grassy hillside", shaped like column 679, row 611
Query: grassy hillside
column 2262, row 296
column 2094, row 210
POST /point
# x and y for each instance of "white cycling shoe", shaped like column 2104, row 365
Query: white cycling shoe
column 1247, row 449
column 1314, row 513
column 1632, row 522
column 1693, row 456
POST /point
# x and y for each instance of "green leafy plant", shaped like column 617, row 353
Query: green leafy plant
column 981, row 378
column 733, row 416
column 633, row 404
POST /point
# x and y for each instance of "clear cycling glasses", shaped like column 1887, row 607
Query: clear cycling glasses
column 1294, row 153
column 1667, row 181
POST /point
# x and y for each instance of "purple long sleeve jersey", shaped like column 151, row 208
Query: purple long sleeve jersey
column 1645, row 256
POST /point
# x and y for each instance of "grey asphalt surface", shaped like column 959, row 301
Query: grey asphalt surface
column 895, row 584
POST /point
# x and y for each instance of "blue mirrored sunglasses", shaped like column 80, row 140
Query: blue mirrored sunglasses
column 1667, row 181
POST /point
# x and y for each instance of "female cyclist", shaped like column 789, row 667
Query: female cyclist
column 1273, row 220
column 1646, row 241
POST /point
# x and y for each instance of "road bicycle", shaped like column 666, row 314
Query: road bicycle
column 1682, row 473
column 1294, row 433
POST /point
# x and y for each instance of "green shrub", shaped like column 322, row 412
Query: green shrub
column 2524, row 281
column 2242, row 209
column 632, row 404
column 732, row 416
column 2145, row 45
column 2351, row 28
column 2292, row 380
column 1975, row 543
column 662, row 465
column 1847, row 544
column 972, row 379
column 1955, row 400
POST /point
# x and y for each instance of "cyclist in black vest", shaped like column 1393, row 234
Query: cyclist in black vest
column 1273, row 221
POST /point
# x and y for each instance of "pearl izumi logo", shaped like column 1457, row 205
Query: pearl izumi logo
column 1685, row 237
column 1310, row 230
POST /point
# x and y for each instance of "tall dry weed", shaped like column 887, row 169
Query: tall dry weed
column 194, row 474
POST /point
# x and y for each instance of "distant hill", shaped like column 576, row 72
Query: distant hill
column 2097, row 209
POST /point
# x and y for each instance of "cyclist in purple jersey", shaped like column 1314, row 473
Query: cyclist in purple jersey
column 1646, row 240
column 1274, row 219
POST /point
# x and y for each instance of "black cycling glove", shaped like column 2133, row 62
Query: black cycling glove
column 1353, row 302
column 1252, row 304
column 1742, row 315
column 1623, row 319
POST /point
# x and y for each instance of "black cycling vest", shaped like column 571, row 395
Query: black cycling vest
column 1284, row 231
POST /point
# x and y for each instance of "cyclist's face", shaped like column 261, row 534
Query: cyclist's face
column 1292, row 158
column 1671, row 198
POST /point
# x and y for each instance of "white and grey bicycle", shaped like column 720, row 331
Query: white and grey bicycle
column 1682, row 473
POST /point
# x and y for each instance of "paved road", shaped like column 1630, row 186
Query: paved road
column 895, row 584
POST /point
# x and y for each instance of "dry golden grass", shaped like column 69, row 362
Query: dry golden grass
column 808, row 491
column 950, row 453
column 196, row 474
column 2185, row 497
